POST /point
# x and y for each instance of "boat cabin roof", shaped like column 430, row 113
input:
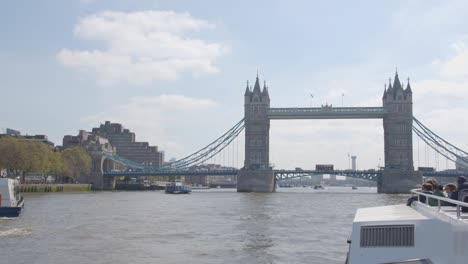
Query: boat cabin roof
column 388, row 213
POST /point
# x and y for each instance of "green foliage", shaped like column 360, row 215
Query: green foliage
column 75, row 161
column 23, row 156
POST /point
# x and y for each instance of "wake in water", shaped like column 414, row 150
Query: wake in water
column 23, row 231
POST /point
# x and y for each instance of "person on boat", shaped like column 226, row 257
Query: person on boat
column 449, row 189
column 462, row 184
column 438, row 189
column 425, row 188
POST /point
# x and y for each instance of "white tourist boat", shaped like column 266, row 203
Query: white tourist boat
column 410, row 234
column 11, row 203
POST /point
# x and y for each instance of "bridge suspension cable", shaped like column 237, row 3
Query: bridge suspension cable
column 195, row 158
column 439, row 144
column 126, row 162
column 210, row 150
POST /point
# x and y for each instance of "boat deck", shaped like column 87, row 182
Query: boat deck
column 454, row 211
column 388, row 213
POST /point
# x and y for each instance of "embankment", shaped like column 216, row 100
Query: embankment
column 54, row 188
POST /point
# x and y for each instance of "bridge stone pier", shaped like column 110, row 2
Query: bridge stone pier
column 397, row 114
column 99, row 163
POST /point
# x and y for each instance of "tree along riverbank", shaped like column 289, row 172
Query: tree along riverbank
column 20, row 157
column 23, row 188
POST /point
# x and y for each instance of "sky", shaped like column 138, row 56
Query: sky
column 174, row 72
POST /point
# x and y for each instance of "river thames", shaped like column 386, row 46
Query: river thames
column 293, row 225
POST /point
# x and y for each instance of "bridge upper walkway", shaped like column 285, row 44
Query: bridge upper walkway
column 327, row 112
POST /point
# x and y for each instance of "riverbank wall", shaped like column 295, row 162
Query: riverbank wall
column 23, row 188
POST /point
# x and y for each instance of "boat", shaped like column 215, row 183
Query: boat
column 177, row 187
column 353, row 187
column 11, row 203
column 318, row 187
column 418, row 233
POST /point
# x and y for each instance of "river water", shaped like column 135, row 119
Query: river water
column 293, row 225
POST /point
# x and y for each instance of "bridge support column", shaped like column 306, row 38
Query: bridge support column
column 96, row 177
column 256, row 180
column 399, row 175
column 398, row 181
column 257, row 175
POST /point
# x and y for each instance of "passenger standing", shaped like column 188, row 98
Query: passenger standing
column 439, row 191
column 461, row 185
column 433, row 182
column 449, row 189
column 425, row 188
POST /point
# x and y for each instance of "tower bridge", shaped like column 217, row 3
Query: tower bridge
column 256, row 175
column 396, row 113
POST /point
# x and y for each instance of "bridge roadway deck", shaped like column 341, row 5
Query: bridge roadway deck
column 327, row 112
column 280, row 174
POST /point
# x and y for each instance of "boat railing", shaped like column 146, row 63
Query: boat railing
column 439, row 199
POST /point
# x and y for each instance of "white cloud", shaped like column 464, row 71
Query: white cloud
column 457, row 66
column 141, row 47
column 414, row 16
column 440, row 101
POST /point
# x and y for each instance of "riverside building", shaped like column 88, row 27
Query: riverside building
column 127, row 147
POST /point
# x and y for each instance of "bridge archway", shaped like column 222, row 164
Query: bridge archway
column 99, row 164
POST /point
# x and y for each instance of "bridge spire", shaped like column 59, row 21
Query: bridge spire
column 408, row 87
column 396, row 82
column 265, row 90
column 247, row 89
column 256, row 89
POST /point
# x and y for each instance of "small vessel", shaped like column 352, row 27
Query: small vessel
column 318, row 187
column 11, row 203
column 177, row 187
column 353, row 187
column 419, row 233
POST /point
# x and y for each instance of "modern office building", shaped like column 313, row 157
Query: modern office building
column 127, row 147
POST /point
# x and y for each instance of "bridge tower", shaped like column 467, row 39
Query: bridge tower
column 98, row 164
column 256, row 175
column 399, row 175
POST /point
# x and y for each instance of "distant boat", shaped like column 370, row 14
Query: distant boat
column 218, row 187
column 354, row 187
column 11, row 203
column 177, row 187
column 318, row 187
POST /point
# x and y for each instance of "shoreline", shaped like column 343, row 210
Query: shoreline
column 44, row 187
